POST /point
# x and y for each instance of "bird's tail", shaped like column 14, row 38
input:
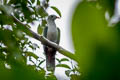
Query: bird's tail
column 50, row 60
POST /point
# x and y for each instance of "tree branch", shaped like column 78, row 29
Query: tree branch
column 45, row 41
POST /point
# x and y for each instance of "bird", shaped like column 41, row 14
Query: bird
column 52, row 33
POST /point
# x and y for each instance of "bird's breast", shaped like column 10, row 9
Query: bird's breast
column 52, row 34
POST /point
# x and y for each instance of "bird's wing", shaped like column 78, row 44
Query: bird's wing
column 49, row 53
column 45, row 35
column 45, row 31
column 58, row 40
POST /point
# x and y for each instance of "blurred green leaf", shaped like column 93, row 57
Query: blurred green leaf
column 75, row 77
column 41, row 11
column 5, row 1
column 57, row 10
column 15, row 43
column 33, row 1
column 63, row 65
column 14, row 1
column 44, row 22
column 5, row 19
column 64, row 59
column 47, row 0
column 41, row 62
column 67, row 72
column 93, row 39
column 39, row 29
column 32, row 54
column 58, row 60
column 108, row 5
column 51, row 76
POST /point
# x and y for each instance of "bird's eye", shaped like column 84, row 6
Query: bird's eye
column 52, row 16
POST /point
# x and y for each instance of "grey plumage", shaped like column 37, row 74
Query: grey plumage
column 52, row 33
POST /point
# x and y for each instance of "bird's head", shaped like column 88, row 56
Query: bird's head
column 52, row 17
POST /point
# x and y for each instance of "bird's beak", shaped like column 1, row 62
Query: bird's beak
column 57, row 17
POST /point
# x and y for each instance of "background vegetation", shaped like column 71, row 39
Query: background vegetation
column 96, row 42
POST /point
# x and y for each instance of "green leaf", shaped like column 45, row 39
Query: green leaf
column 41, row 62
column 64, row 59
column 94, row 41
column 39, row 29
column 38, row 2
column 67, row 72
column 33, row 1
column 63, row 65
column 47, row 1
column 51, row 76
column 44, row 22
column 58, row 60
column 57, row 10
column 5, row 1
column 75, row 77
column 32, row 54
column 108, row 5
column 41, row 11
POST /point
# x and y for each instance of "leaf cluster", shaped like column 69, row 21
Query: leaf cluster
column 16, row 49
column 96, row 42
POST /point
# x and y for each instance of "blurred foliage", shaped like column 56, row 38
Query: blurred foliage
column 17, row 58
column 96, row 43
column 57, row 10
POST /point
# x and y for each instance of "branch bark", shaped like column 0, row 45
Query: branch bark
column 45, row 41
